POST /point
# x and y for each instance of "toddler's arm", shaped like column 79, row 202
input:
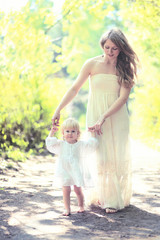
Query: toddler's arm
column 91, row 144
column 92, row 131
column 52, row 143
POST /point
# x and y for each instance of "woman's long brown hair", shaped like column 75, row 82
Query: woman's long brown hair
column 127, row 59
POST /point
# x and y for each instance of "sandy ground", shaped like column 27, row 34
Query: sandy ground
column 31, row 210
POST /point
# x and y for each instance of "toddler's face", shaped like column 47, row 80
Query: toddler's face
column 70, row 135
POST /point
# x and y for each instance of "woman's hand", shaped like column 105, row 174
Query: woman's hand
column 55, row 119
column 97, row 127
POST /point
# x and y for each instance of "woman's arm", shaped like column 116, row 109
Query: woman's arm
column 72, row 92
column 122, row 99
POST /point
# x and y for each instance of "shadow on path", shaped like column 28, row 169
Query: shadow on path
column 31, row 210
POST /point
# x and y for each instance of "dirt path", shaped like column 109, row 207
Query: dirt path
column 30, row 210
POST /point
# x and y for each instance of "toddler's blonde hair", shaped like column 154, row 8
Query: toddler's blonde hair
column 70, row 123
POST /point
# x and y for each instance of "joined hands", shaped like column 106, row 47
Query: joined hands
column 97, row 127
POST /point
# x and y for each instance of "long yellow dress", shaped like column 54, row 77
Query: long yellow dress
column 113, row 165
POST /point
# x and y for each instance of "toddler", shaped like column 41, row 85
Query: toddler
column 70, row 166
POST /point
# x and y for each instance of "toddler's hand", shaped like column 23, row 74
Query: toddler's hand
column 53, row 130
column 91, row 129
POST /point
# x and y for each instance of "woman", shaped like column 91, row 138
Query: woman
column 111, row 79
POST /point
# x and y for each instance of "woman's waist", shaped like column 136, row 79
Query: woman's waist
column 103, row 90
column 103, row 94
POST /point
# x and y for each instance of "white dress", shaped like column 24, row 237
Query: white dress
column 71, row 165
column 113, row 165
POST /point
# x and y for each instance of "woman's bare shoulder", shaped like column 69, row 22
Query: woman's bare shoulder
column 92, row 61
column 90, row 64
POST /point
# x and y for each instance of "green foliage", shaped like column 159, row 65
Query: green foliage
column 16, row 155
column 146, row 114
column 143, row 20
column 28, row 81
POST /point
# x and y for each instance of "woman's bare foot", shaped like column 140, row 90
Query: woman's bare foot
column 98, row 203
column 111, row 210
column 81, row 210
column 66, row 213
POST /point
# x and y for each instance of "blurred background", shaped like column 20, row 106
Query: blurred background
column 43, row 45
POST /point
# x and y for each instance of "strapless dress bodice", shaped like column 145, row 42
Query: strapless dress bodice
column 104, row 83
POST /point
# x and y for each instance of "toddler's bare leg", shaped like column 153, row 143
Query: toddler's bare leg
column 80, row 197
column 66, row 199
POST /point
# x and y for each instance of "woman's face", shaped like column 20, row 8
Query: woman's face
column 111, row 50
